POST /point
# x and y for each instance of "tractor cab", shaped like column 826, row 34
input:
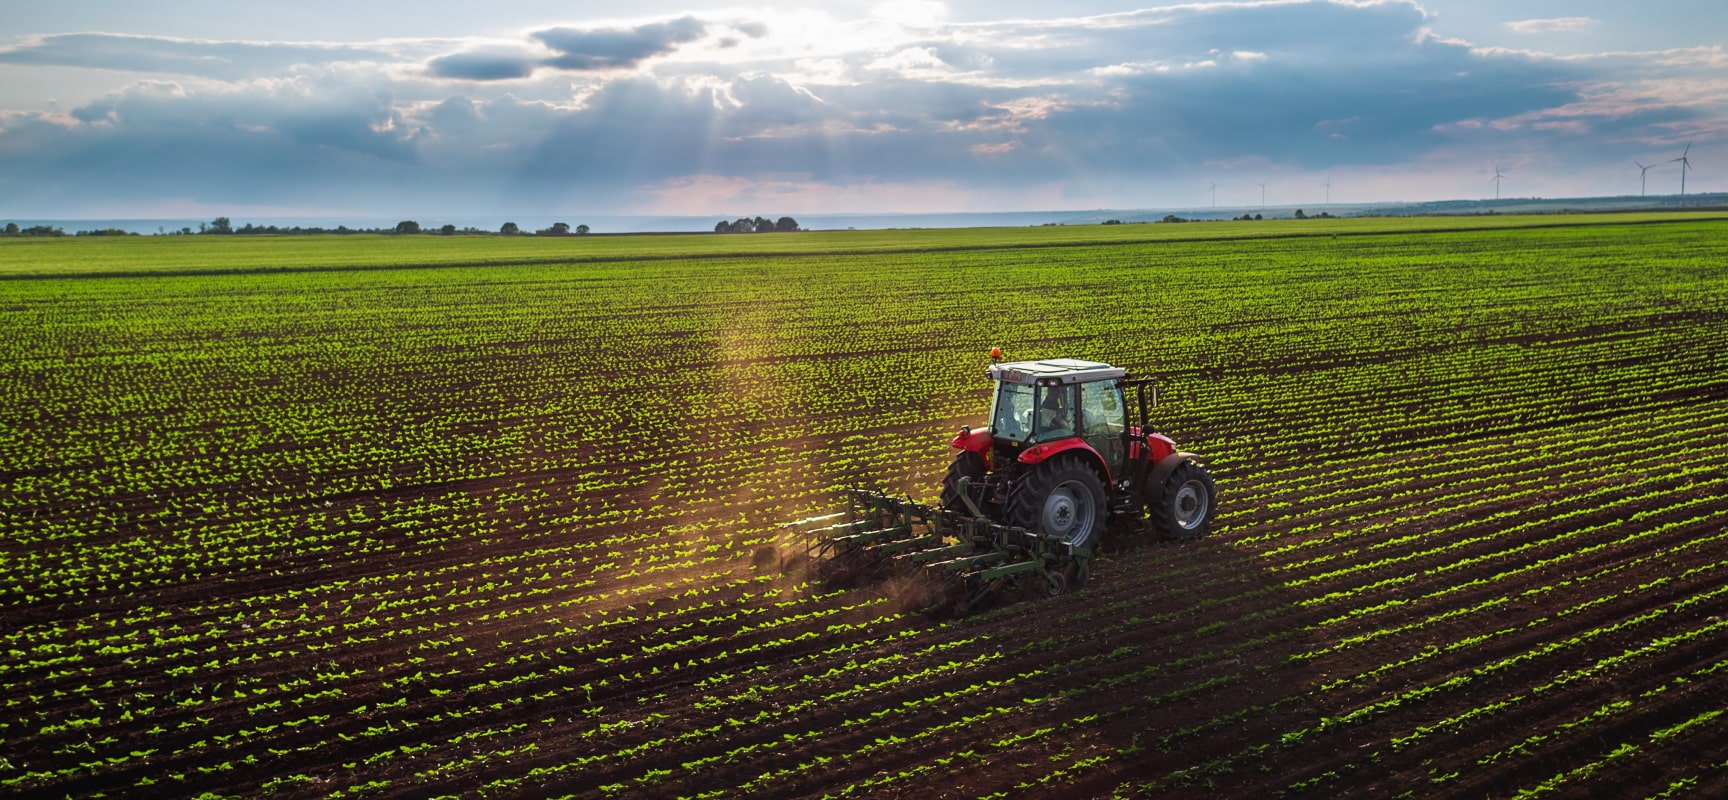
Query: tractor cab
column 1043, row 402
column 1062, row 455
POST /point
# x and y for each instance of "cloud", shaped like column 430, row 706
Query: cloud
column 283, row 145
column 615, row 48
column 222, row 60
column 663, row 113
column 483, row 65
column 577, row 50
column 1554, row 25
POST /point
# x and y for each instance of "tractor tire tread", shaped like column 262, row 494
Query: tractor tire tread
column 1162, row 508
column 1026, row 503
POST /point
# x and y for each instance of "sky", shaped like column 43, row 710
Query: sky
column 126, row 109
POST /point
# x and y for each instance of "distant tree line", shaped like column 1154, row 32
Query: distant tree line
column 1250, row 217
column 223, row 226
column 757, row 225
column 12, row 229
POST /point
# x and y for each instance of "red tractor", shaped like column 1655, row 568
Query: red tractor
column 1062, row 457
column 1028, row 498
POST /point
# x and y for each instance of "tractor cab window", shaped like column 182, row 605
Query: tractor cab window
column 1028, row 414
column 1103, row 420
column 1101, row 409
column 1055, row 412
column 1012, row 418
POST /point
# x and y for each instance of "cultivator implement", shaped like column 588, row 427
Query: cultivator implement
column 957, row 562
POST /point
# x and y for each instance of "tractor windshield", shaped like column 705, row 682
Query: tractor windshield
column 1025, row 413
column 1012, row 417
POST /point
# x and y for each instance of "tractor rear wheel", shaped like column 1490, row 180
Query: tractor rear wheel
column 968, row 465
column 1183, row 508
column 1062, row 497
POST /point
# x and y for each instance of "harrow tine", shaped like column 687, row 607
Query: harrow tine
column 862, row 524
column 819, row 518
column 969, row 563
column 897, row 547
column 938, row 554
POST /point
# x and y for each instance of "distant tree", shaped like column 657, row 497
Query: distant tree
column 11, row 229
column 448, row 230
column 509, row 229
column 1256, row 216
column 1300, row 215
column 407, row 226
column 220, row 225
column 558, row 229
column 1112, row 222
column 756, row 225
column 581, row 230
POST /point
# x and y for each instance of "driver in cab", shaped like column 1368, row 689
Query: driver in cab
column 1055, row 416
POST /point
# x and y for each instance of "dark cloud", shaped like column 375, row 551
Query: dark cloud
column 480, row 66
column 576, row 50
column 614, row 48
column 293, row 122
column 222, row 60
column 316, row 159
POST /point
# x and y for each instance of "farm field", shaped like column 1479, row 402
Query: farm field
column 504, row 518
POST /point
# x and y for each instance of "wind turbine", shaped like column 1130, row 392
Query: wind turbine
column 1684, row 165
column 1496, row 181
column 1328, row 185
column 1262, row 195
column 1214, row 193
column 1643, row 169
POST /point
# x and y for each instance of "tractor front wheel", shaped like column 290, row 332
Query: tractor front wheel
column 1185, row 505
column 1062, row 497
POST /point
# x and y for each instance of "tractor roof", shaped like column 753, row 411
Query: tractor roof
column 1054, row 371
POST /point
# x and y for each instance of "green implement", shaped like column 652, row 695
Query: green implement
column 972, row 560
